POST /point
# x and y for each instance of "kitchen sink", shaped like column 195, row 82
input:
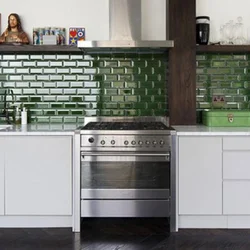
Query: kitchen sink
column 5, row 126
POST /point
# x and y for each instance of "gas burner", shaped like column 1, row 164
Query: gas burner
column 125, row 126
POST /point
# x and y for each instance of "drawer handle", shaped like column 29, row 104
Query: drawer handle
column 230, row 117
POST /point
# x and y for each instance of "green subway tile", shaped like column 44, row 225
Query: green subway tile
column 76, row 84
column 43, row 91
column 44, row 64
column 243, row 63
column 141, row 91
column 4, row 64
column 91, row 84
column 231, row 77
column 110, row 105
column 15, row 78
column 57, row 105
column 42, row 105
column 63, row 112
column 111, row 63
column 131, row 98
column 43, row 78
column 7, row 71
column 49, row 98
column 62, row 84
column 83, row 91
column 90, row 71
column 231, row 105
column 36, row 112
column 15, row 64
column 105, row 112
column 124, row 78
column 70, row 91
column 217, row 78
column 91, row 112
column 29, row 92
column 76, row 99
column 83, row 105
column 49, row 70
column 90, row 98
column 122, row 63
column 43, row 119
column 240, row 70
column 22, row 71
column 49, row 57
column 131, row 112
column 95, row 91
column 237, row 85
column 36, row 57
column 131, row 85
column 218, row 70
column 239, row 57
column 70, row 105
column 36, row 84
column 218, row 64
column 83, row 77
column 158, row 98
column 81, row 64
column 69, row 64
column 9, row 57
column 126, row 105
column 63, row 57
column 116, row 71
column 49, row 112
column 117, row 98
column 29, row 105
column 23, row 98
column 62, row 71
column 36, row 70
column 201, row 57
column 52, row 78
column 233, row 63
column 125, row 91
column 53, row 64
column 77, row 112
column 146, row 112
column 117, row 112
column 70, row 119
column 76, row 71
column 22, row 57
column 111, row 77
column 111, row 92
column 56, row 119
column 63, row 98
column 29, row 64
column 106, row 98
column 98, row 77
column 76, row 57
column 225, row 84
column 117, row 84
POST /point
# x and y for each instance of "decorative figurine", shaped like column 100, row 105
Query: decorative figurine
column 14, row 32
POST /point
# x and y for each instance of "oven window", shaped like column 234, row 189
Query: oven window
column 125, row 175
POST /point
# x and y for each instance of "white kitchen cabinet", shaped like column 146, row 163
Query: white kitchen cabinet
column 2, row 175
column 38, row 175
column 200, row 175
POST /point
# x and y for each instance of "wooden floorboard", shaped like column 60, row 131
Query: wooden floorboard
column 124, row 234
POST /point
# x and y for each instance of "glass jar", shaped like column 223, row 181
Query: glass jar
column 202, row 30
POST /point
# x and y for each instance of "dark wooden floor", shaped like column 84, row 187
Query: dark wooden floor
column 123, row 234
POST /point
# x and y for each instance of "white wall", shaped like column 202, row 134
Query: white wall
column 221, row 11
column 91, row 14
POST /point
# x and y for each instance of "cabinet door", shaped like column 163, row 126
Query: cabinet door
column 2, row 175
column 200, row 175
column 38, row 175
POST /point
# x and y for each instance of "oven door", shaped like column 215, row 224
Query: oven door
column 125, row 185
column 125, row 175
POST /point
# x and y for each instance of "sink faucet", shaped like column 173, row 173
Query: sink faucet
column 5, row 112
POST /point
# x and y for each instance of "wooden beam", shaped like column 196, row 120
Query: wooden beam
column 182, row 62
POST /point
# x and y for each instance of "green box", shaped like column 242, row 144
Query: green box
column 226, row 118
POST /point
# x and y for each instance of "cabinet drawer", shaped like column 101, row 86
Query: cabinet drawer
column 236, row 143
column 236, row 165
column 236, row 197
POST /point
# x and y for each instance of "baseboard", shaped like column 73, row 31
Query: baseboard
column 214, row 221
column 35, row 221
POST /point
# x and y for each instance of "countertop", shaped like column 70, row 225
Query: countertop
column 40, row 129
column 204, row 130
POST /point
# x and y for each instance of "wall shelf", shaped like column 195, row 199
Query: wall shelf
column 10, row 48
column 223, row 48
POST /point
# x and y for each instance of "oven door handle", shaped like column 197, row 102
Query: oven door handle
column 124, row 154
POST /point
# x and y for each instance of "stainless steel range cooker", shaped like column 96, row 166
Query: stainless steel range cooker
column 127, row 168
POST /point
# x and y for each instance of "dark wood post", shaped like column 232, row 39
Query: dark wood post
column 182, row 62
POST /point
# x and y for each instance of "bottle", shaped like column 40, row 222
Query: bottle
column 24, row 116
column 202, row 30
column 17, row 116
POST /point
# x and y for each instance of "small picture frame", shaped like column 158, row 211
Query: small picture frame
column 75, row 35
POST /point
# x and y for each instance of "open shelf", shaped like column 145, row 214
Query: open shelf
column 36, row 48
column 223, row 48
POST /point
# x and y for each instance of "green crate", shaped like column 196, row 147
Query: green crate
column 226, row 118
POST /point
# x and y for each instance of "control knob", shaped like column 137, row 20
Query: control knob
column 162, row 142
column 126, row 142
column 91, row 140
column 133, row 142
column 154, row 142
column 102, row 142
column 140, row 142
column 113, row 142
column 147, row 142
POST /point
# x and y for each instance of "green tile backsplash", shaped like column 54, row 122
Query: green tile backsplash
column 223, row 74
column 60, row 88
